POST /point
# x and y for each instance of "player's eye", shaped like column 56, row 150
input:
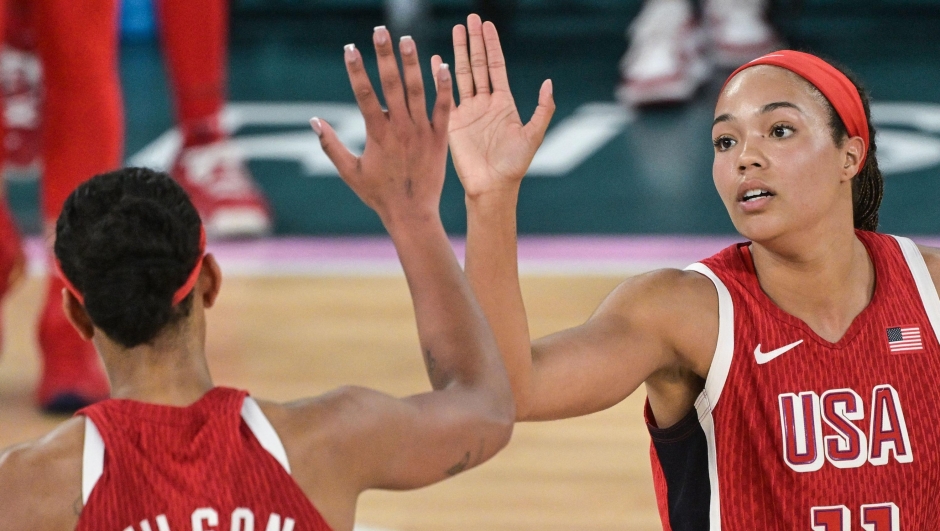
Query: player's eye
column 723, row 143
column 781, row 131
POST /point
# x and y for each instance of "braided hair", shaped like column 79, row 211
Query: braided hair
column 127, row 240
column 868, row 184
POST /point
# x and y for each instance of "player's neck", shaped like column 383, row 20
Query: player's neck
column 825, row 281
column 172, row 370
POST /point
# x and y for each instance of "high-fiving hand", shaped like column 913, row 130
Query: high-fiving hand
column 491, row 147
column 401, row 170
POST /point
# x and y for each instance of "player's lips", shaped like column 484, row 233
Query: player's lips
column 754, row 195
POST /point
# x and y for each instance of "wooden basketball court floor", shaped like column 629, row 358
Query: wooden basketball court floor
column 300, row 316
column 284, row 337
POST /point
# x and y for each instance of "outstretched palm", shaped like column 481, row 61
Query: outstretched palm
column 491, row 147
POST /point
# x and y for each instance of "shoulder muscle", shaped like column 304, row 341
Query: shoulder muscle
column 40, row 482
column 680, row 308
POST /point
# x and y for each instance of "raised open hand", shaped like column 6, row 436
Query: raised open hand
column 401, row 170
column 491, row 147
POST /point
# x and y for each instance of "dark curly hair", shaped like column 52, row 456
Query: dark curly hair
column 127, row 240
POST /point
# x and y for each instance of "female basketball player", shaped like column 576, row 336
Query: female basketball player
column 818, row 337
column 172, row 451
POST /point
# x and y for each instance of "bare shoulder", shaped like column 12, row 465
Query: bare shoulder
column 317, row 431
column 325, row 416
column 932, row 258
column 668, row 290
column 324, row 437
column 680, row 306
column 40, row 481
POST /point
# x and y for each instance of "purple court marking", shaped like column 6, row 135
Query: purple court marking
column 376, row 255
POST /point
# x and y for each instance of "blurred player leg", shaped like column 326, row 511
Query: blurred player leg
column 83, row 134
column 12, row 261
column 21, row 80
column 665, row 61
column 195, row 41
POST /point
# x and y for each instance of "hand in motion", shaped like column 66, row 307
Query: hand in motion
column 491, row 147
column 401, row 170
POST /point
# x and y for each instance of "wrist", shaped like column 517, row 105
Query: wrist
column 410, row 219
column 496, row 199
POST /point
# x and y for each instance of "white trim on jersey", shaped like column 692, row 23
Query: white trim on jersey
column 264, row 431
column 714, row 384
column 92, row 459
column 721, row 363
column 925, row 285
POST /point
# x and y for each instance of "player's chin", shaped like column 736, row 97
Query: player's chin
column 759, row 227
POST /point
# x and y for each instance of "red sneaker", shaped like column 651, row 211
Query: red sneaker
column 223, row 191
column 72, row 374
column 12, row 259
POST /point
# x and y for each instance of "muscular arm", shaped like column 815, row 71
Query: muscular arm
column 40, row 482
column 652, row 325
column 640, row 333
column 359, row 439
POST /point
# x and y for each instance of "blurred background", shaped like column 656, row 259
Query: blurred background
column 614, row 162
column 314, row 297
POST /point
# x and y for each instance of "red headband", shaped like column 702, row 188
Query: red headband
column 833, row 84
column 178, row 296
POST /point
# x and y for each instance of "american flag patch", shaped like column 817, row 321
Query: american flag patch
column 904, row 339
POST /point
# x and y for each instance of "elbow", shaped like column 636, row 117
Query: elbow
column 504, row 420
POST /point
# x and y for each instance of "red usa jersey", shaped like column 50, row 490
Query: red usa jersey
column 793, row 432
column 215, row 465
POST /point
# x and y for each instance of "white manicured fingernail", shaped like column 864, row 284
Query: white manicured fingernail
column 316, row 125
column 407, row 44
column 445, row 72
column 350, row 52
column 381, row 35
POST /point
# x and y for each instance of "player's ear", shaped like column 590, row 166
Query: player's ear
column 77, row 315
column 211, row 279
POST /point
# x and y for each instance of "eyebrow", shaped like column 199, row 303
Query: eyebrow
column 763, row 110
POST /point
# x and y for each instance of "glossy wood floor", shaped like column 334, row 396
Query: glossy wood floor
column 284, row 338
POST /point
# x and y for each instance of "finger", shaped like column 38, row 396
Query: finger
column 362, row 89
column 481, row 77
column 445, row 98
column 462, row 63
column 535, row 129
column 344, row 161
column 496, row 64
column 388, row 73
column 414, row 84
column 436, row 63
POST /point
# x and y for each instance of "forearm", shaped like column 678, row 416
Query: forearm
column 456, row 341
column 493, row 271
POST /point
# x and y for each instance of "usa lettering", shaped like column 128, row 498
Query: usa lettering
column 803, row 417
column 207, row 519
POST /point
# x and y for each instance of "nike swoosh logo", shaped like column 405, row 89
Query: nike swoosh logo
column 764, row 357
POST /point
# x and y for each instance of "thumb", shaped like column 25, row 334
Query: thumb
column 338, row 154
column 537, row 126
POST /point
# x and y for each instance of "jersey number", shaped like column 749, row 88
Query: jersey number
column 875, row 517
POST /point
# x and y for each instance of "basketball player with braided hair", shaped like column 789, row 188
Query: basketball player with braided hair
column 791, row 379
column 171, row 450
